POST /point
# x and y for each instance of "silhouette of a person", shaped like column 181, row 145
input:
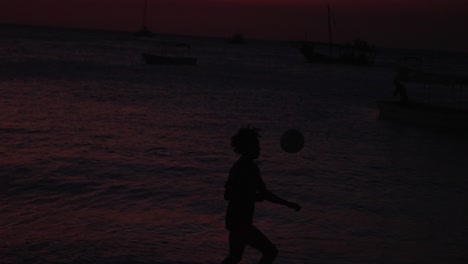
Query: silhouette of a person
column 400, row 89
column 243, row 188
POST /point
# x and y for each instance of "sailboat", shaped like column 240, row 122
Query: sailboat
column 358, row 53
column 144, row 32
column 155, row 59
column 162, row 58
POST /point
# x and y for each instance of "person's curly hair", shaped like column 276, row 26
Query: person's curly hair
column 245, row 139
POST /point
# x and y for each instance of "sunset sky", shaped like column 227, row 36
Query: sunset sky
column 427, row 24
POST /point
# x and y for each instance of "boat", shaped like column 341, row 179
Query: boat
column 144, row 32
column 169, row 53
column 358, row 52
column 447, row 107
column 155, row 59
column 238, row 38
column 423, row 114
column 162, row 57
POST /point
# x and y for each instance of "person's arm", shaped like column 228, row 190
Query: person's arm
column 264, row 194
column 271, row 197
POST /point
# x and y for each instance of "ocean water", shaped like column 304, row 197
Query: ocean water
column 104, row 159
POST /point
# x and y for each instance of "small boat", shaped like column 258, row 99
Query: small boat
column 435, row 111
column 423, row 114
column 144, row 33
column 237, row 39
column 168, row 59
column 358, row 53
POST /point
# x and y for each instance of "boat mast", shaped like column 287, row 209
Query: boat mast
column 145, row 8
column 330, row 41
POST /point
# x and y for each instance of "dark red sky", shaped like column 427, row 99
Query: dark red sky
column 434, row 24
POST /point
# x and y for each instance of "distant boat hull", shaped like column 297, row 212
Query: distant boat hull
column 424, row 115
column 168, row 60
column 315, row 57
column 144, row 33
column 344, row 54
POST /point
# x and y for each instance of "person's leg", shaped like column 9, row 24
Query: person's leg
column 236, row 246
column 259, row 241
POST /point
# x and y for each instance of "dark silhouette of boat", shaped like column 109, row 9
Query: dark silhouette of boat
column 144, row 32
column 237, row 39
column 357, row 53
column 423, row 114
column 170, row 53
column 168, row 59
column 433, row 112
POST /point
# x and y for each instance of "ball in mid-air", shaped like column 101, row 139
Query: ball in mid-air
column 292, row 141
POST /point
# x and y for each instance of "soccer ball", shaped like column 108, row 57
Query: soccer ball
column 292, row 141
